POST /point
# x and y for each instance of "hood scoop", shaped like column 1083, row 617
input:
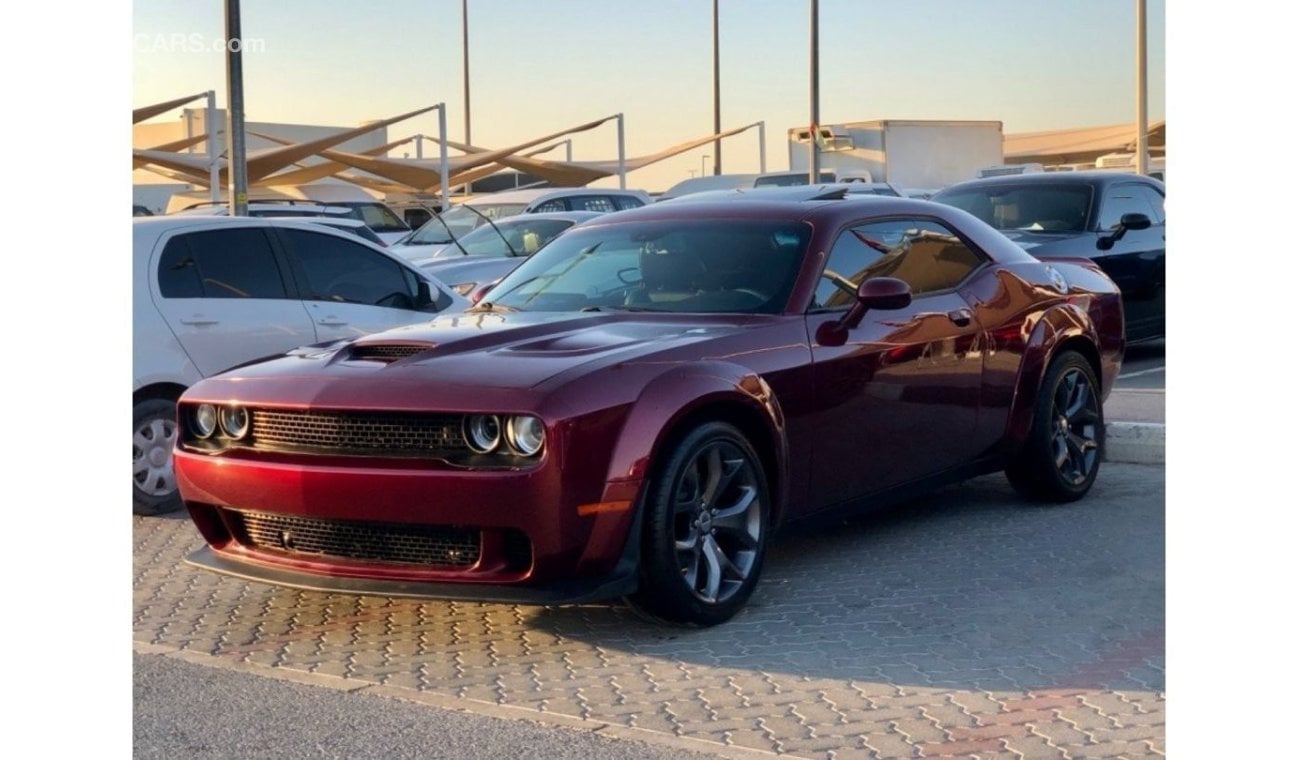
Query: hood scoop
column 386, row 353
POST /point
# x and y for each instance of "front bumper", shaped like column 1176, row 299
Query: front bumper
column 621, row 582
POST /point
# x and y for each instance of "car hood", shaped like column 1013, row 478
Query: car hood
column 509, row 350
column 1040, row 245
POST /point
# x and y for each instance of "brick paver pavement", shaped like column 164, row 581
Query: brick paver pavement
column 967, row 624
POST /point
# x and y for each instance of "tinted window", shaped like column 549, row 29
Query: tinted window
column 337, row 270
column 598, row 203
column 377, row 217
column 627, row 201
column 1030, row 207
column 1157, row 201
column 922, row 253
column 235, row 263
column 556, row 204
column 1120, row 200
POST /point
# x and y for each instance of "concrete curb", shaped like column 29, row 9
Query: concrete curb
column 1135, row 442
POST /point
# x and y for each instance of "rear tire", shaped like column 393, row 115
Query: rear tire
column 153, row 479
column 705, row 529
column 1063, row 451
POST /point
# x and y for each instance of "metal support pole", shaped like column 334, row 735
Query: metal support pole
column 1142, row 159
column 717, row 101
column 236, row 162
column 814, row 171
column 762, row 147
column 622, row 158
column 445, row 202
column 210, row 125
column 419, row 147
column 568, row 150
column 464, row 65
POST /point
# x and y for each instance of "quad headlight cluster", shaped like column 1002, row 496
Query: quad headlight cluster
column 233, row 421
column 523, row 434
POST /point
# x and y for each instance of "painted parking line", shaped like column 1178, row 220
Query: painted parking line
column 1141, row 372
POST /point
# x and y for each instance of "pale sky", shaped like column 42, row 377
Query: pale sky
column 536, row 67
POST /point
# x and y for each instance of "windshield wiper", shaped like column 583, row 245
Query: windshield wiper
column 495, row 229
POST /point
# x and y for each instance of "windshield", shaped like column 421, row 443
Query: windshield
column 461, row 222
column 715, row 266
column 521, row 236
column 377, row 216
column 1030, row 207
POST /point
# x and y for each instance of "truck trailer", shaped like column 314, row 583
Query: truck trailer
column 921, row 155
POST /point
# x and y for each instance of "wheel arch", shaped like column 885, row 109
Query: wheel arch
column 163, row 390
column 1065, row 327
column 716, row 391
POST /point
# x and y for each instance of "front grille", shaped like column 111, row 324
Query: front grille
column 426, row 545
column 366, row 433
column 387, row 352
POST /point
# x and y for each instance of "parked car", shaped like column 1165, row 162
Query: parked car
column 635, row 408
column 214, row 292
column 346, row 224
column 1115, row 219
column 375, row 215
column 489, row 253
column 469, row 215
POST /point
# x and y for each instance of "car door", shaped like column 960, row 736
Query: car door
column 1136, row 262
column 899, row 400
column 352, row 290
column 224, row 296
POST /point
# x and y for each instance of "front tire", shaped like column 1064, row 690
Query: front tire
column 705, row 529
column 153, row 479
column 1062, row 454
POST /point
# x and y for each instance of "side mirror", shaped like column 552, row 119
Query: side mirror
column 1130, row 221
column 881, row 293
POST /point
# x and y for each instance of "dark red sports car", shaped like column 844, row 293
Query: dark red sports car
column 635, row 409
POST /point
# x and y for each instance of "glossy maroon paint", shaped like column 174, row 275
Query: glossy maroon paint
column 944, row 384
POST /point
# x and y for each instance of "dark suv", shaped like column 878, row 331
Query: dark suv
column 1113, row 218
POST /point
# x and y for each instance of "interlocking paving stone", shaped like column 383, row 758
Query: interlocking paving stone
column 963, row 624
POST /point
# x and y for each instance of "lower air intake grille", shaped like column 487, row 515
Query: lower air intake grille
column 427, row 545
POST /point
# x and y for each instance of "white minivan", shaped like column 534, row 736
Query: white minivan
column 212, row 292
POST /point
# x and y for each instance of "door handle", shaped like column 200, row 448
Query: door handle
column 331, row 322
column 960, row 317
column 198, row 320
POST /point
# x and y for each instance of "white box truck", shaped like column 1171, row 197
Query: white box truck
column 910, row 154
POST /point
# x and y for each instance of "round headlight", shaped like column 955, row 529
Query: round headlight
column 482, row 432
column 205, row 420
column 526, row 434
column 234, row 421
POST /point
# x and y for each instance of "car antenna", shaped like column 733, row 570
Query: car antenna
column 496, row 229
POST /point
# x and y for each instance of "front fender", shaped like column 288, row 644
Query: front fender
column 1059, row 324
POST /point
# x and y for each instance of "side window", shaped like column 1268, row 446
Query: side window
column 338, row 270
column 1124, row 199
column 599, row 203
column 625, row 202
column 234, row 263
column 1156, row 200
column 556, row 204
column 922, row 253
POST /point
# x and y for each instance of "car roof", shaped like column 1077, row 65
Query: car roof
column 529, row 195
column 339, row 221
column 567, row 216
column 789, row 203
column 1092, row 178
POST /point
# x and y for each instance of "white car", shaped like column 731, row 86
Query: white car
column 375, row 215
column 466, row 216
column 213, row 292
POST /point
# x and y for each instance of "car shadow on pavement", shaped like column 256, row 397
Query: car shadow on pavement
column 968, row 588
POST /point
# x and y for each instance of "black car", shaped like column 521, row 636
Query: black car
column 1113, row 218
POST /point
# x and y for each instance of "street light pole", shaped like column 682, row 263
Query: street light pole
column 210, row 125
column 1142, row 161
column 236, row 155
column 814, row 172
column 717, row 97
column 464, row 48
